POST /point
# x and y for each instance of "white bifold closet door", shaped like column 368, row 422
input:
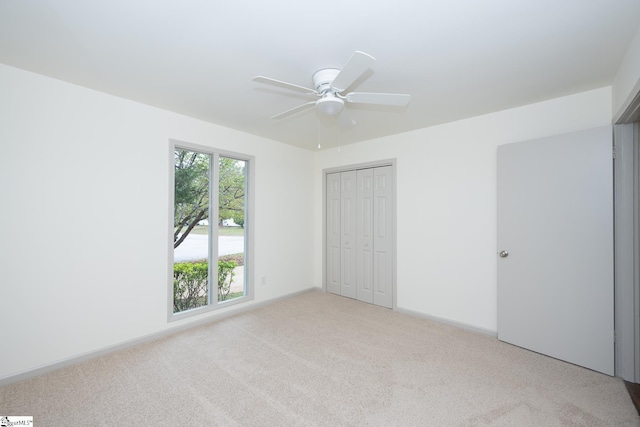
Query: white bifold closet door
column 360, row 235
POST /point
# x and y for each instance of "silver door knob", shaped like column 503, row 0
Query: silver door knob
column 503, row 254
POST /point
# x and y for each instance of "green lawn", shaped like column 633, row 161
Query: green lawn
column 222, row 231
column 232, row 296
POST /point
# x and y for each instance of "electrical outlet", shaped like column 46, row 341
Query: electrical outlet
column 264, row 281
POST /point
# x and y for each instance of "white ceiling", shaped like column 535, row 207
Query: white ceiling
column 457, row 59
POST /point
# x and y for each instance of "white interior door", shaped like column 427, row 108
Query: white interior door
column 555, row 221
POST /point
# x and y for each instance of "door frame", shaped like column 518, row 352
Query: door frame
column 627, row 207
column 366, row 165
column 627, row 250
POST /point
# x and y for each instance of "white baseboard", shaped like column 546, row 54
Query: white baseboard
column 31, row 373
column 460, row 325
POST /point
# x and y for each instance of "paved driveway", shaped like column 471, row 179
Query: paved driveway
column 195, row 247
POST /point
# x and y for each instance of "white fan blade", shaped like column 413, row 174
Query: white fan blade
column 353, row 69
column 270, row 81
column 294, row 110
column 397, row 99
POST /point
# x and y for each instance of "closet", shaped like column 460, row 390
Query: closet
column 359, row 234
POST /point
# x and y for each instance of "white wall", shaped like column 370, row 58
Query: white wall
column 627, row 82
column 84, row 220
column 446, row 201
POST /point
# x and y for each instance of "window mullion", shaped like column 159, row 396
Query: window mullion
column 213, row 227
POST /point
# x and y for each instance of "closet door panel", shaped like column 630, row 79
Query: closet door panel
column 333, row 233
column 348, row 237
column 365, row 235
column 383, row 237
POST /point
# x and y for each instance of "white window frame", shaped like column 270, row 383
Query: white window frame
column 213, row 303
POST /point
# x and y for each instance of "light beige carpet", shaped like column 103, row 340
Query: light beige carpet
column 319, row 359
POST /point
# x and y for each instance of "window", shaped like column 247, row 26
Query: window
column 210, row 224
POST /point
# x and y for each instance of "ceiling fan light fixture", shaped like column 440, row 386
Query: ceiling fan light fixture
column 330, row 85
column 330, row 106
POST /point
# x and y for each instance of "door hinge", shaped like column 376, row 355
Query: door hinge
column 614, row 152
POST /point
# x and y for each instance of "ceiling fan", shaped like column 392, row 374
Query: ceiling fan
column 330, row 87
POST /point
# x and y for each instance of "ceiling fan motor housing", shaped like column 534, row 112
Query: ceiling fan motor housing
column 329, row 104
column 322, row 79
